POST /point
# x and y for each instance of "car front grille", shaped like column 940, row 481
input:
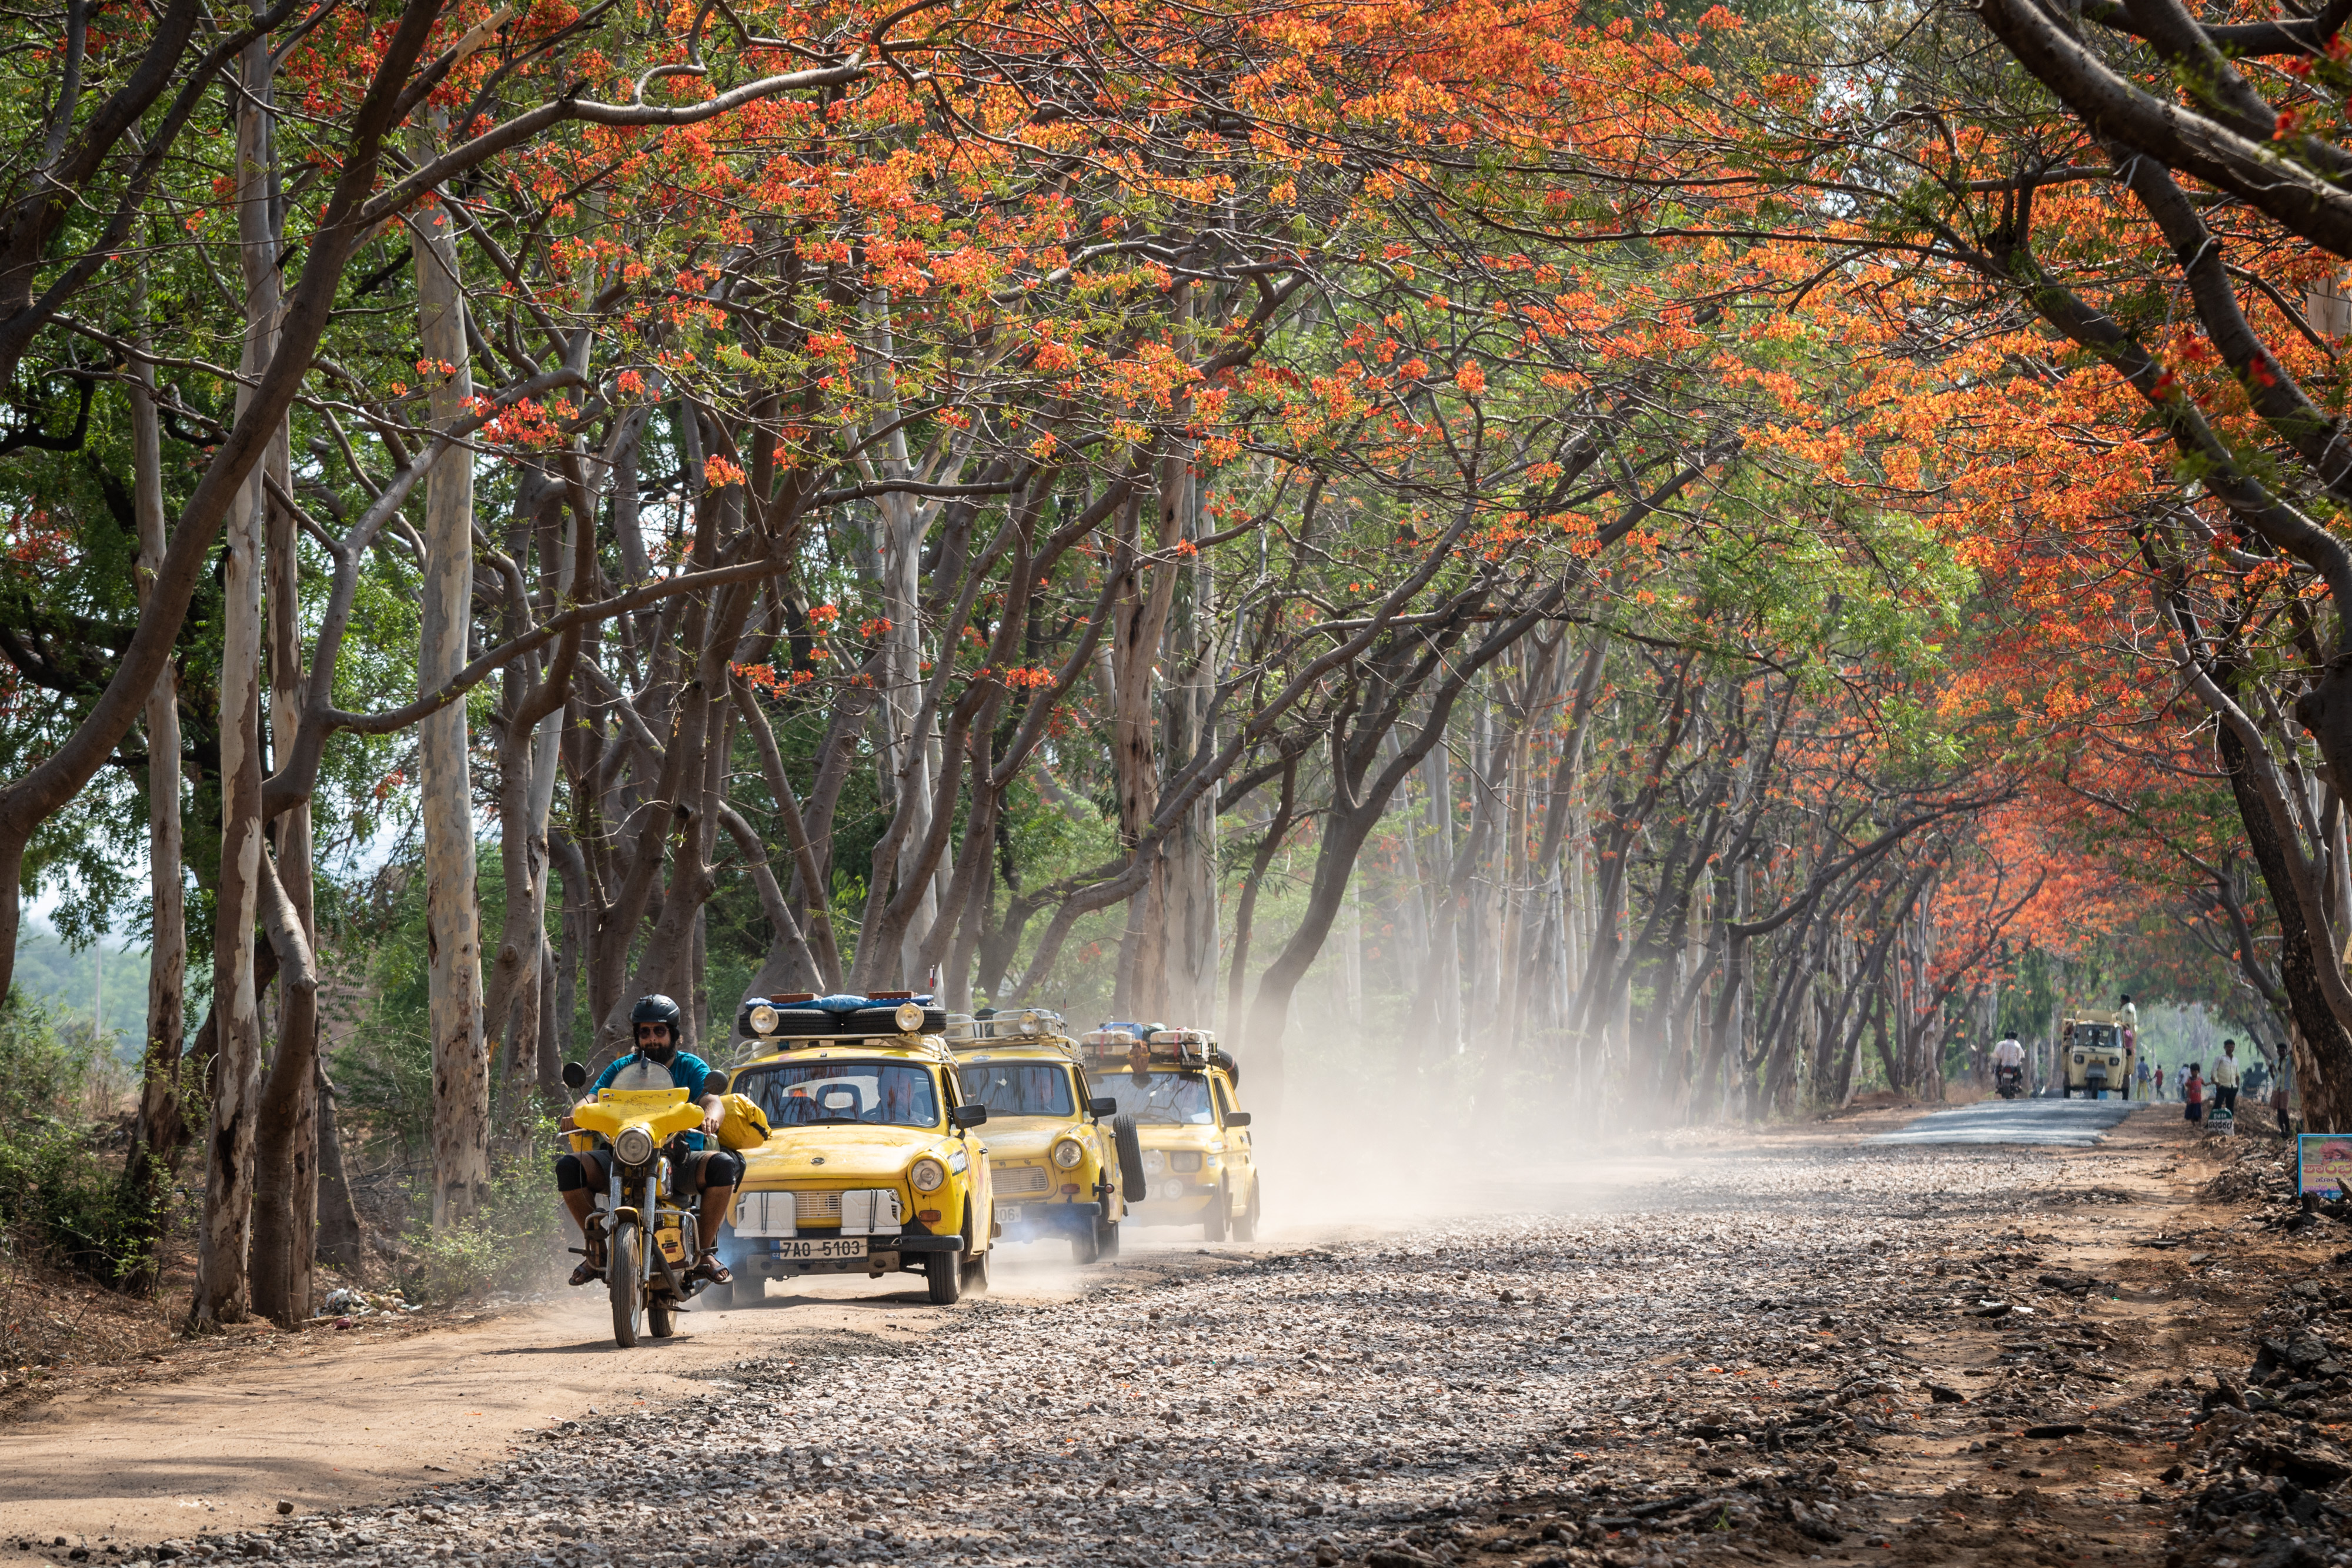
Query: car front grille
column 1013, row 1181
column 872, row 1211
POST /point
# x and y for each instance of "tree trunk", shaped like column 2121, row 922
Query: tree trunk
column 157, row 1135
column 223, row 1291
column 461, row 1081
column 286, row 1154
column 341, row 1240
column 286, row 1164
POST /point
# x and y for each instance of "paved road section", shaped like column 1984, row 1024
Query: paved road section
column 2059, row 1124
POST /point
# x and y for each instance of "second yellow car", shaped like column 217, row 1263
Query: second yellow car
column 1062, row 1161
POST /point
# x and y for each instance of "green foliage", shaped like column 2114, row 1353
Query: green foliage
column 58, row 1191
column 505, row 1246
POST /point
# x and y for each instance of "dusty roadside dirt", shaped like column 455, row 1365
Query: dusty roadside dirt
column 332, row 1419
column 333, row 1422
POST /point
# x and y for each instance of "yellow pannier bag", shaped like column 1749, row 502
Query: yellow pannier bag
column 741, row 1124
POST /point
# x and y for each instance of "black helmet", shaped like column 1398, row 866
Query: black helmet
column 654, row 1008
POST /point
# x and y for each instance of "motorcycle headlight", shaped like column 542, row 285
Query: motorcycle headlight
column 1154, row 1162
column 1067, row 1154
column 763, row 1019
column 909, row 1016
column 927, row 1175
column 634, row 1146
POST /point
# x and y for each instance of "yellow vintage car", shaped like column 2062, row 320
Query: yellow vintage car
column 1062, row 1161
column 1179, row 1087
column 872, row 1164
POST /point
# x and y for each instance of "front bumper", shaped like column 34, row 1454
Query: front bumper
column 757, row 1256
column 1062, row 1216
column 1174, row 1201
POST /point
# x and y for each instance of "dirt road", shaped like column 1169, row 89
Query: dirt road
column 1573, row 1366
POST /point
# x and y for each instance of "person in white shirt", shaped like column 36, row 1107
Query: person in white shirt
column 2224, row 1078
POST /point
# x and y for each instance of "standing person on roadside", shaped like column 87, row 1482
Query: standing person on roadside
column 2192, row 1095
column 2131, row 1039
column 2141, row 1090
column 2225, row 1079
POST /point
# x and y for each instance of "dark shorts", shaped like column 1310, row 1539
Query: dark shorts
column 698, row 1169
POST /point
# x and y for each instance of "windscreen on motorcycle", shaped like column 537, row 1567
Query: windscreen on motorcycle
column 818, row 1094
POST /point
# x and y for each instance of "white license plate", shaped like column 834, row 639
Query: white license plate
column 807, row 1251
column 1009, row 1213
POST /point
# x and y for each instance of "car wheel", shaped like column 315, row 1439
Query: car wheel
column 975, row 1275
column 1214, row 1225
column 944, row 1278
column 1086, row 1246
column 1245, row 1228
column 1109, row 1235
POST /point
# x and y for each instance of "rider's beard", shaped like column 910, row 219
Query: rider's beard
column 660, row 1053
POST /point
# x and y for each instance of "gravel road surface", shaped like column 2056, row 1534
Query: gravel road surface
column 1815, row 1352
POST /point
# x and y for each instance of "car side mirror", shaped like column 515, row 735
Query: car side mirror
column 1236, row 1118
column 1102, row 1105
column 575, row 1075
column 968, row 1116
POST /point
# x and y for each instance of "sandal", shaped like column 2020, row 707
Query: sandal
column 592, row 1253
column 712, row 1270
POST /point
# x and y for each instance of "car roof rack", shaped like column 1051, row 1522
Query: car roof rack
column 1029, row 1026
column 801, row 1018
column 1185, row 1050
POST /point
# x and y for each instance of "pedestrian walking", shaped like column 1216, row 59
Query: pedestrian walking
column 2192, row 1095
column 2225, row 1078
column 2139, row 1082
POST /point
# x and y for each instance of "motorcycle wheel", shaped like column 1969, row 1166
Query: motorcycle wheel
column 661, row 1321
column 622, row 1272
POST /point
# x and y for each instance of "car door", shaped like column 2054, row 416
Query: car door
column 1241, row 1165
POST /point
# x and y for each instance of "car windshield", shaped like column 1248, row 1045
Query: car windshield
column 1039, row 1088
column 1162, row 1097
column 821, row 1094
column 2093, row 1036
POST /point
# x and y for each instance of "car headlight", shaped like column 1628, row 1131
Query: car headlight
column 1184, row 1161
column 763, row 1019
column 1067, row 1154
column 927, row 1175
column 634, row 1146
column 909, row 1015
column 1154, row 1162
column 1028, row 1023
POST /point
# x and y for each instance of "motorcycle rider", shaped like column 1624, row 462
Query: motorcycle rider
column 657, row 1063
column 2009, row 1054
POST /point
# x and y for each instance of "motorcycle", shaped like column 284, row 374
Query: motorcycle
column 2008, row 1081
column 649, row 1236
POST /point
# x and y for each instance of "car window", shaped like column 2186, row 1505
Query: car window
column 815, row 1093
column 1180, row 1097
column 1018, row 1089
